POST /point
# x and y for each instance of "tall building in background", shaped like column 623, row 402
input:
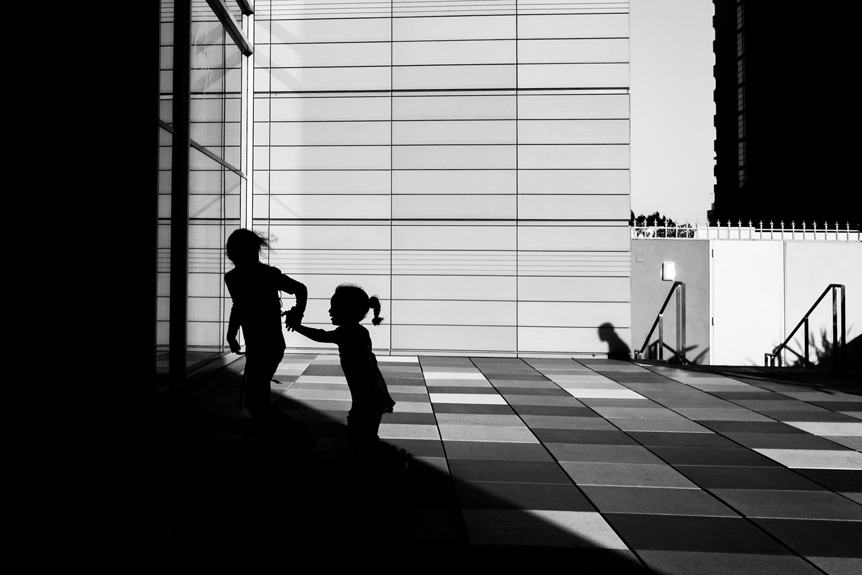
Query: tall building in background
column 466, row 161
column 783, row 114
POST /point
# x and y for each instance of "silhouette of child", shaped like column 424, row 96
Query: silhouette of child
column 254, row 288
column 370, row 396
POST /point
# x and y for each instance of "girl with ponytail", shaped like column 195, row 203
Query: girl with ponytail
column 370, row 396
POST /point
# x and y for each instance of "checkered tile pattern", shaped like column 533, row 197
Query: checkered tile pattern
column 676, row 470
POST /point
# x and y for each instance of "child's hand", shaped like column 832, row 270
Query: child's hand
column 292, row 318
column 234, row 345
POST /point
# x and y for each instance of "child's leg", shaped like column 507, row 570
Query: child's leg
column 259, row 370
column 362, row 427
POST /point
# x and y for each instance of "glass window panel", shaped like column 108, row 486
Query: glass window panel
column 346, row 54
column 574, row 26
column 553, row 107
column 574, row 157
column 330, row 133
column 329, row 79
column 454, row 132
column 202, row 286
column 454, row 107
column 331, row 182
column 453, row 157
column 330, row 30
column 573, row 207
column 331, row 158
column 573, row 314
column 539, row 76
column 262, row 80
column 433, row 237
column 431, row 312
column 430, row 337
column 573, row 238
column 573, row 51
column 454, row 287
column 454, row 77
column 454, row 181
column 454, row 207
column 573, row 182
column 573, row 132
column 454, row 28
column 453, row 52
column 588, row 289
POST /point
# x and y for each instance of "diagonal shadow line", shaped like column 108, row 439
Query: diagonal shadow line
column 223, row 498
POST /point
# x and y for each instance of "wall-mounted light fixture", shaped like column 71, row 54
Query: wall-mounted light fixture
column 668, row 271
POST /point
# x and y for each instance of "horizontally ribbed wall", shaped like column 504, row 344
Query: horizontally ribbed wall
column 468, row 162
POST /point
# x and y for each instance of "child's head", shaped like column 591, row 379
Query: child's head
column 350, row 304
column 243, row 246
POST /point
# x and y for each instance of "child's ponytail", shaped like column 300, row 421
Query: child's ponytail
column 374, row 304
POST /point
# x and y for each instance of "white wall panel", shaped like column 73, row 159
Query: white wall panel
column 573, row 132
column 330, row 133
column 590, row 181
column 454, row 338
column 573, row 51
column 454, row 107
column 454, row 181
column 566, row 340
column 454, row 207
column 462, row 287
column 583, row 157
column 344, row 30
column 342, row 54
column 324, row 237
column 468, row 77
column 586, row 289
column 552, row 106
column 330, row 158
column 454, row 132
column 454, row 28
column 571, row 238
column 533, row 76
column 572, row 207
column 442, row 237
column 329, row 108
column 574, row 314
column 330, row 182
column 476, row 313
column 453, row 52
column 325, row 206
column 574, row 26
column 329, row 79
column 453, row 157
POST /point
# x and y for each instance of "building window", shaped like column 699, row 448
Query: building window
column 742, row 176
column 740, row 15
column 740, row 98
column 740, row 70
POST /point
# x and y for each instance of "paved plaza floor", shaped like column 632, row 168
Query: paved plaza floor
column 601, row 465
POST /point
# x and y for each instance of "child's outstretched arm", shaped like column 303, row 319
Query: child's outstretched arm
column 318, row 335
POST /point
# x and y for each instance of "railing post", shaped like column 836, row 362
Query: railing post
column 843, row 332
column 807, row 363
column 680, row 321
column 661, row 337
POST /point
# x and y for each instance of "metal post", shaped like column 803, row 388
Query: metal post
column 680, row 321
column 807, row 363
column 843, row 332
column 661, row 337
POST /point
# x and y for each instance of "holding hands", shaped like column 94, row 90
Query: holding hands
column 292, row 318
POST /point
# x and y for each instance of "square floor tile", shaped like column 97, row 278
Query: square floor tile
column 625, row 475
column 693, row 533
column 656, row 501
column 790, row 504
column 470, row 398
column 540, row 528
column 782, row 441
column 602, row 436
column 537, row 422
column 407, row 431
column 659, row 425
column 711, row 456
column 603, row 453
column 498, row 495
column 736, row 477
column 704, row 563
column 486, row 419
column 841, row 480
column 554, row 410
column 739, row 414
column 813, row 538
column 496, row 450
column 476, row 408
column 508, row 471
column 486, row 433
column 681, row 439
column 750, row 427
column 829, row 428
column 814, row 459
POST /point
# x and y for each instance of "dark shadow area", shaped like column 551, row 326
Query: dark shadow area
column 617, row 348
column 220, row 501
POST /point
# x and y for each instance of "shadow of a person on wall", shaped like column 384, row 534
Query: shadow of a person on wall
column 617, row 348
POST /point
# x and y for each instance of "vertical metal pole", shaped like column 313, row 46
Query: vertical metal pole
column 661, row 337
column 180, row 190
column 680, row 321
column 807, row 363
column 843, row 332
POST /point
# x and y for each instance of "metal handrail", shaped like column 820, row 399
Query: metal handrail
column 680, row 325
column 839, row 356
